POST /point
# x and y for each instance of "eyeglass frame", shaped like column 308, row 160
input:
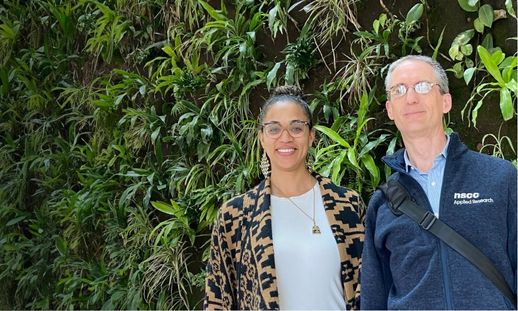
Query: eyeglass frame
column 262, row 126
column 432, row 84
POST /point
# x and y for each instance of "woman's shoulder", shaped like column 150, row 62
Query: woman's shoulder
column 342, row 198
column 243, row 200
column 342, row 191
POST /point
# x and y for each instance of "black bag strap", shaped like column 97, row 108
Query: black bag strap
column 401, row 202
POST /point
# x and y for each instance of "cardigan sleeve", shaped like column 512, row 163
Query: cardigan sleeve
column 220, row 285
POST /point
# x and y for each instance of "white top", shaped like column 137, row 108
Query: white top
column 307, row 264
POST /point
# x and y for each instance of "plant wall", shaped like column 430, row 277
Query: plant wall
column 125, row 124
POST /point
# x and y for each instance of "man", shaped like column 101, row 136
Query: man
column 406, row 267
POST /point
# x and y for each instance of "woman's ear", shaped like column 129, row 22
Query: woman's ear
column 260, row 135
column 312, row 136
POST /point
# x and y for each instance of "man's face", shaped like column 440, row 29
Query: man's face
column 414, row 114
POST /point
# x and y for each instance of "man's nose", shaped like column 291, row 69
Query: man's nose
column 411, row 96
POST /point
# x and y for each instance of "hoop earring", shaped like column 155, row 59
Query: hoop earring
column 265, row 165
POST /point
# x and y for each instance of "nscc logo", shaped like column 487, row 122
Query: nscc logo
column 466, row 195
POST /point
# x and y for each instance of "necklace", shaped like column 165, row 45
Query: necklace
column 315, row 229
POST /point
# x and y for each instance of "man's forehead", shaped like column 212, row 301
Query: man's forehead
column 412, row 63
column 413, row 69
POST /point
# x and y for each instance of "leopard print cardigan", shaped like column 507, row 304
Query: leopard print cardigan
column 241, row 268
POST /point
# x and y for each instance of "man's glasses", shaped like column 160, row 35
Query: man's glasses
column 422, row 87
column 296, row 128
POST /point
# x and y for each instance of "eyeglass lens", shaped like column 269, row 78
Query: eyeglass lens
column 295, row 129
column 422, row 87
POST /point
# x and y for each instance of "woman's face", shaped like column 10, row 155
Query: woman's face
column 285, row 136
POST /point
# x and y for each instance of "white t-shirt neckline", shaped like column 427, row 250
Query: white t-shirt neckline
column 307, row 264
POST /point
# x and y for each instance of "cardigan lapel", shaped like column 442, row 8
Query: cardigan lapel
column 262, row 246
column 336, row 209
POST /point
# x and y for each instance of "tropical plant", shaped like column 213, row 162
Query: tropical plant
column 503, row 73
column 125, row 124
column 370, row 50
column 329, row 22
column 499, row 145
column 351, row 150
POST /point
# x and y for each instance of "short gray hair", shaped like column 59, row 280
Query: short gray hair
column 438, row 71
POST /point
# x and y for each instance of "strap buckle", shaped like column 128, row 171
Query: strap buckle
column 427, row 221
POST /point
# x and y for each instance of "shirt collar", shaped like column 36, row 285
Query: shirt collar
column 444, row 154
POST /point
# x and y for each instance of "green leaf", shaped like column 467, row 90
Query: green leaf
column 376, row 26
column 414, row 14
column 439, row 42
column 458, row 70
column 215, row 14
column 337, row 166
column 8, row 33
column 61, row 245
column 509, row 8
column 466, row 49
column 485, row 14
column 468, row 74
column 488, row 41
column 154, row 135
column 469, row 5
column 490, row 65
column 272, row 75
column 15, row 221
column 477, row 24
column 365, row 34
column 362, row 110
column 497, row 56
column 506, row 104
column 289, row 76
column 512, row 86
column 271, row 19
column 461, row 39
column 163, row 207
column 333, row 135
column 369, row 163
column 454, row 51
column 351, row 155
column 464, row 37
column 474, row 113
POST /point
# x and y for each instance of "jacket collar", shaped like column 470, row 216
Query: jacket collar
column 396, row 161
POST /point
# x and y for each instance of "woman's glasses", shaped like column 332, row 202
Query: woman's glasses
column 296, row 128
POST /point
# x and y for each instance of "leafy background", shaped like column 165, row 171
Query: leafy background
column 124, row 124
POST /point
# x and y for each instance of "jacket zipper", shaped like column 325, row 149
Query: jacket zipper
column 446, row 276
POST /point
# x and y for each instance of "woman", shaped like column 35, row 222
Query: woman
column 295, row 240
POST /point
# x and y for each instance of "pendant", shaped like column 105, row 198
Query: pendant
column 316, row 229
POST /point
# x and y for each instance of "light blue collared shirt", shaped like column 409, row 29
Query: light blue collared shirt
column 431, row 182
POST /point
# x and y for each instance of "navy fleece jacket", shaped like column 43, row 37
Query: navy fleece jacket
column 405, row 267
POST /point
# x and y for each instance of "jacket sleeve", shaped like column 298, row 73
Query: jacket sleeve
column 219, row 285
column 361, row 214
column 511, row 219
column 375, row 278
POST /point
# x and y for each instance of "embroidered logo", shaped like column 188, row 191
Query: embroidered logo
column 463, row 198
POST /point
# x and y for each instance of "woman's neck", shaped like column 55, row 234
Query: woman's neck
column 289, row 184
